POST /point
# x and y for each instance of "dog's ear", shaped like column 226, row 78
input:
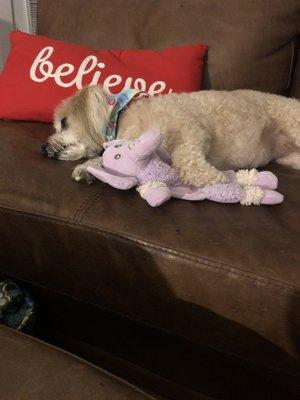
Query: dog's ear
column 147, row 144
column 91, row 107
column 118, row 182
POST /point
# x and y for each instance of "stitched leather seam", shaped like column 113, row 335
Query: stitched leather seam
column 80, row 211
column 82, row 205
column 218, row 266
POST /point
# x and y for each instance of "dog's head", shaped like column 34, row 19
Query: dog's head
column 79, row 122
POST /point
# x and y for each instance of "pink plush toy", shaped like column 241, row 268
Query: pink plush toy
column 143, row 163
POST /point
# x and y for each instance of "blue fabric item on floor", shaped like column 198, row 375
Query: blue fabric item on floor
column 17, row 307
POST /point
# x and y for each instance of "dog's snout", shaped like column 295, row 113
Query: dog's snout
column 54, row 154
column 49, row 151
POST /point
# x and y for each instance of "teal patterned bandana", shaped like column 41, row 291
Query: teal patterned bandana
column 17, row 307
column 119, row 102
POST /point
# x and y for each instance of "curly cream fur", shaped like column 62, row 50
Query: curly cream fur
column 205, row 132
column 252, row 195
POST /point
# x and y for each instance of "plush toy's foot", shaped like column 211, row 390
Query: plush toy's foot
column 256, row 195
column 264, row 179
column 155, row 193
column 272, row 197
column 156, row 196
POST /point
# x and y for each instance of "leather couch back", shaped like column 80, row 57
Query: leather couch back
column 251, row 41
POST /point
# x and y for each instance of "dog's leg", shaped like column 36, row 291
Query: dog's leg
column 291, row 160
column 189, row 157
column 80, row 173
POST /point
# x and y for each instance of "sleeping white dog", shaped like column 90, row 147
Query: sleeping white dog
column 205, row 132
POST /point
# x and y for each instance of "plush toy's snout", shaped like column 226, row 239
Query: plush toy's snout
column 122, row 160
column 127, row 157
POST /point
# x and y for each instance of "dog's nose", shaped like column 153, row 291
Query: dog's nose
column 44, row 148
column 49, row 151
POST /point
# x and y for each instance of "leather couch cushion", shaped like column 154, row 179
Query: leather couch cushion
column 224, row 275
column 31, row 369
column 251, row 42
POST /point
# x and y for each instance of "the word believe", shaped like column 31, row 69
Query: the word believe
column 42, row 69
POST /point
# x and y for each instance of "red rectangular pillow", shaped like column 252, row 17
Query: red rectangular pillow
column 41, row 72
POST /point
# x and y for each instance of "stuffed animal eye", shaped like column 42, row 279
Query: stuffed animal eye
column 118, row 145
column 117, row 156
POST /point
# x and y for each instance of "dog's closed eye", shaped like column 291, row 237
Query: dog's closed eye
column 64, row 123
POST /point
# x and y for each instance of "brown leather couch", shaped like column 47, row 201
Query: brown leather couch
column 34, row 370
column 225, row 277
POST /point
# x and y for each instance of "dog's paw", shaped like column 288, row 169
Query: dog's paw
column 81, row 174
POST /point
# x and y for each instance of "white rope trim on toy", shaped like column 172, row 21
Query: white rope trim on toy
column 252, row 195
column 246, row 177
column 143, row 189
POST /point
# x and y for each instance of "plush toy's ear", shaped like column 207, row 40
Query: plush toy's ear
column 118, row 182
column 147, row 144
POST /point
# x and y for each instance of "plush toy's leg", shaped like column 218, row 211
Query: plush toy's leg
column 155, row 193
column 264, row 179
column 230, row 175
column 187, row 193
column 164, row 155
column 157, row 196
column 224, row 192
